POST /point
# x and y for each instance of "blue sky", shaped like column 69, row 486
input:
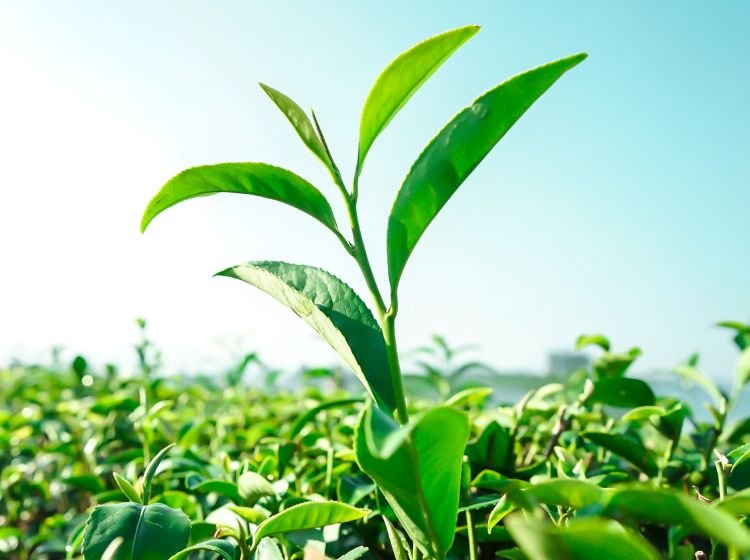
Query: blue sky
column 618, row 204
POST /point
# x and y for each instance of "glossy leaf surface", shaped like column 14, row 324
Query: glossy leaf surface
column 334, row 310
column 454, row 153
column 153, row 532
column 257, row 179
column 401, row 79
column 418, row 469
column 309, row 515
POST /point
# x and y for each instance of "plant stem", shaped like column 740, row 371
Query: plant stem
column 470, row 534
column 722, row 478
column 389, row 333
column 357, row 250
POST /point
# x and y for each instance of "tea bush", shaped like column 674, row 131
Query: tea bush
column 159, row 468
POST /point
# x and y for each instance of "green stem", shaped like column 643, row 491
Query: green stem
column 415, row 552
column 722, row 477
column 389, row 333
column 357, row 250
column 470, row 534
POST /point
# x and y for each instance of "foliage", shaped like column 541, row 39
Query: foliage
column 156, row 468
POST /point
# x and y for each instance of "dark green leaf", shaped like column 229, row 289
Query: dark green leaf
column 309, row 515
column 622, row 392
column 153, row 532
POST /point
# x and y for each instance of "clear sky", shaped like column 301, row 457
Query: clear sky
column 618, row 204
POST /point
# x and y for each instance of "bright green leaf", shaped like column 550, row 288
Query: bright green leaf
column 128, row 489
column 301, row 123
column 593, row 340
column 309, row 515
column 580, row 539
column 426, row 455
column 332, row 308
column 454, row 153
column 258, row 179
column 217, row 546
column 401, row 79
column 253, row 487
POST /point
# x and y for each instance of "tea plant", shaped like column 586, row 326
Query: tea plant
column 425, row 453
column 596, row 466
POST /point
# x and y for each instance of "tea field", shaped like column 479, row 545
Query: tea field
column 596, row 466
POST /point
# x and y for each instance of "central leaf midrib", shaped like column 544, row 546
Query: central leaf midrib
column 137, row 529
column 414, row 456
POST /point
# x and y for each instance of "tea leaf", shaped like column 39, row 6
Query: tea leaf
column 309, row 515
column 253, row 487
column 626, row 448
column 622, row 392
column 581, row 539
column 332, row 308
column 258, row 179
column 401, row 79
column 418, row 469
column 670, row 508
column 454, row 153
column 152, row 532
column 224, row 549
column 301, row 123
column 128, row 489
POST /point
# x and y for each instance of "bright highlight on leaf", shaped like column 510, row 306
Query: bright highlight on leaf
column 401, row 79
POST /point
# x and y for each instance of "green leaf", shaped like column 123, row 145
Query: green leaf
column 152, row 532
column 221, row 487
column 309, row 515
column 401, row 79
column 253, row 487
column 570, row 493
column 593, row 340
column 418, row 469
column 503, row 508
column 354, row 553
column 454, row 153
column 301, row 123
column 622, row 392
column 332, row 308
column 669, row 508
column 614, row 364
column 128, row 489
column 89, row 482
column 398, row 546
column 258, row 179
column 217, row 546
column 627, row 448
column 580, row 539
column 470, row 396
column 492, row 448
column 150, row 471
